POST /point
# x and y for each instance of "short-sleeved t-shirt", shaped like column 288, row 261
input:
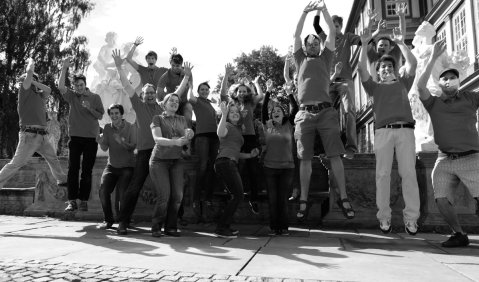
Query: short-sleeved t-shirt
column 144, row 115
column 172, row 127
column 313, row 76
column 150, row 75
column 454, row 121
column 391, row 102
column 119, row 156
column 279, row 146
column 171, row 81
column 230, row 145
column 342, row 53
column 31, row 107
column 81, row 122
column 247, row 116
column 205, row 116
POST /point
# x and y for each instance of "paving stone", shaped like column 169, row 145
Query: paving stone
column 108, row 272
column 107, row 267
column 122, row 269
column 185, row 274
column 204, row 280
column 203, row 275
column 188, row 279
column 238, row 278
column 14, row 268
column 170, row 278
column 91, row 266
column 220, row 277
column 59, row 280
column 169, row 273
column 43, row 279
column 153, row 277
column 115, row 279
column 23, row 279
column 292, row 280
column 87, row 275
column 56, row 271
column 40, row 274
column 92, row 270
column 137, row 275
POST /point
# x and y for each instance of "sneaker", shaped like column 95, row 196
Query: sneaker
column 254, row 207
column 225, row 233
column 349, row 154
column 156, row 233
column 121, row 230
column 411, row 227
column 234, row 231
column 385, row 226
column 172, row 233
column 456, row 240
column 273, row 232
column 72, row 205
column 83, row 206
column 105, row 225
column 284, row 232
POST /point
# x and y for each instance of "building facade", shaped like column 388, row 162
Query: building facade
column 455, row 21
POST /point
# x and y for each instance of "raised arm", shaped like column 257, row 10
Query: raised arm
column 299, row 27
column 191, row 97
column 184, row 82
column 316, row 25
column 287, row 64
column 27, row 82
column 222, row 130
column 61, row 82
column 363, row 58
column 124, row 80
column 129, row 57
column 224, row 82
column 331, row 30
column 411, row 62
column 438, row 48
column 264, row 107
column 337, row 70
column 401, row 12
column 259, row 97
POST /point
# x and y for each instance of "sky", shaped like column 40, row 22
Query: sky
column 207, row 33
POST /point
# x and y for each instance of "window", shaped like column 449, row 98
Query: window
column 391, row 8
column 441, row 35
column 460, row 36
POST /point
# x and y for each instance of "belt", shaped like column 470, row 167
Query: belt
column 40, row 131
column 457, row 155
column 315, row 108
column 398, row 125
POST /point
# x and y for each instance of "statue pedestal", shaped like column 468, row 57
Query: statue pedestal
column 429, row 146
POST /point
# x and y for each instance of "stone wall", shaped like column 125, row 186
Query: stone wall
column 49, row 199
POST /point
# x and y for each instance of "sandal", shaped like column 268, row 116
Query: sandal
column 346, row 211
column 301, row 215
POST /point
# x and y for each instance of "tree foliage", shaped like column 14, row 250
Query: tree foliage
column 264, row 62
column 42, row 30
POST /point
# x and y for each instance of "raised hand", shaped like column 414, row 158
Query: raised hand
column 30, row 65
column 256, row 79
column 224, row 108
column 116, row 54
column 187, row 68
column 320, row 5
column 228, row 69
column 401, row 9
column 382, row 25
column 68, row 62
column 439, row 48
column 338, row 67
column 189, row 133
column 397, row 35
column 365, row 36
column 138, row 41
column 372, row 15
column 311, row 7
column 269, row 85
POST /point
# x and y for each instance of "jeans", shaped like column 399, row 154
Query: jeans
column 278, row 181
column 29, row 143
column 79, row 146
column 130, row 196
column 111, row 177
column 386, row 141
column 227, row 170
column 344, row 90
column 250, row 168
column 206, row 148
column 168, row 179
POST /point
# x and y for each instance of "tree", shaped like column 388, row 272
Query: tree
column 37, row 29
column 264, row 62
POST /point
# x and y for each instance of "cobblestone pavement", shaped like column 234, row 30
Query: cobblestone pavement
column 39, row 271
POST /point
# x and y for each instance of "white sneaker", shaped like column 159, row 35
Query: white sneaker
column 411, row 227
column 385, row 226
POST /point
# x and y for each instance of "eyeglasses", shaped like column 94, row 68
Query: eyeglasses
column 150, row 92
